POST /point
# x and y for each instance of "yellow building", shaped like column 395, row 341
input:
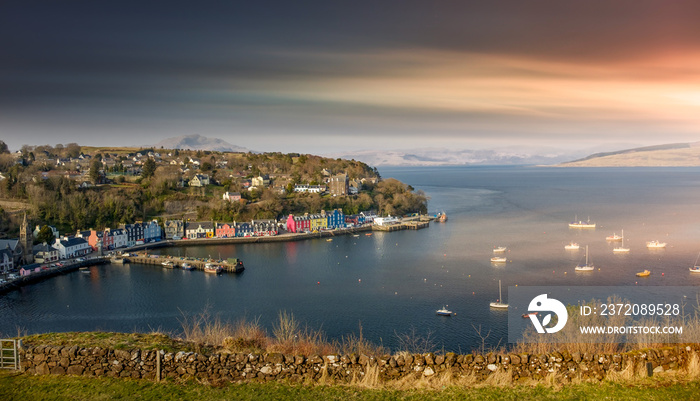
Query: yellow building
column 318, row 222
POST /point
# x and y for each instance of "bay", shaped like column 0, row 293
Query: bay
column 392, row 283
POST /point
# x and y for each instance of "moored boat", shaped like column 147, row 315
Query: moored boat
column 499, row 249
column 444, row 311
column 613, row 237
column 571, row 246
column 645, row 273
column 498, row 259
column 527, row 315
column 212, row 268
column 168, row 264
column 585, row 267
column 499, row 304
column 186, row 266
column 441, row 217
column 696, row 267
column 582, row 224
column 621, row 248
column 656, row 244
column 117, row 260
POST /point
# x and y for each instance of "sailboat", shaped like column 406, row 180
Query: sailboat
column 696, row 267
column 621, row 248
column 499, row 303
column 586, row 267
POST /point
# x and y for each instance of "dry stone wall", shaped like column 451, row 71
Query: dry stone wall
column 238, row 367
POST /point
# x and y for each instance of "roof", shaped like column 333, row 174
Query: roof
column 75, row 241
column 12, row 243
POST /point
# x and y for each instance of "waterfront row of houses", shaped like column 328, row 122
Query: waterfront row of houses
column 326, row 220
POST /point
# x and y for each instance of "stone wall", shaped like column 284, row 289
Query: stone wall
column 154, row 365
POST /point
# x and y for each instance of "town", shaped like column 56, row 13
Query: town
column 95, row 201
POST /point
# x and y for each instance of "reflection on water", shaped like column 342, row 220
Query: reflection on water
column 393, row 282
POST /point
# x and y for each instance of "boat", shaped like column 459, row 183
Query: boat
column 356, row 235
column 645, row 273
column 582, row 224
column 499, row 259
column 168, row 264
column 441, row 217
column 696, row 267
column 656, row 244
column 621, row 248
column 329, row 240
column 499, row 304
column 571, row 246
column 186, row 266
column 499, row 249
column 585, row 267
column 212, row 268
column 527, row 315
column 444, row 311
column 369, row 234
column 613, row 237
column 117, row 260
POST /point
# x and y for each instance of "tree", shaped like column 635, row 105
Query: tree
column 149, row 168
column 45, row 235
column 4, row 148
column 95, row 167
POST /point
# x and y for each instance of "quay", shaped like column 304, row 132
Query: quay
column 231, row 265
column 406, row 225
column 48, row 272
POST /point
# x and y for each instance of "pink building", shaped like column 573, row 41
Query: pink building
column 225, row 230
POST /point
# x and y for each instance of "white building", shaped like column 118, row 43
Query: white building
column 72, row 247
column 386, row 221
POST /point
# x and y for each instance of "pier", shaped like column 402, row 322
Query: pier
column 230, row 265
column 406, row 225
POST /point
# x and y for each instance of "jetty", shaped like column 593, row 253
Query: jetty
column 230, row 265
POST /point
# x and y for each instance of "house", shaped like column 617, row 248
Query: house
column 225, row 230
column 174, row 229
column 232, row 196
column 264, row 228
column 7, row 261
column 314, row 189
column 152, row 231
column 45, row 253
column 71, row 247
column 338, row 185
column 119, row 238
column 199, row 180
column 14, row 247
column 318, row 222
column 29, row 269
column 95, row 240
column 298, row 224
column 336, row 219
column 202, row 229
column 244, row 230
column 134, row 233
column 261, row 181
column 386, row 221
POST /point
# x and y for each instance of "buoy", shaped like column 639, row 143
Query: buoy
column 662, row 274
column 565, row 273
column 318, row 282
column 473, row 293
column 359, row 280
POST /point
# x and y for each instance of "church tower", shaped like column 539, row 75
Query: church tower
column 26, row 240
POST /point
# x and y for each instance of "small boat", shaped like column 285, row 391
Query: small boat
column 696, row 267
column 329, row 240
column 444, row 311
column 656, row 244
column 582, row 224
column 117, row 260
column 168, row 264
column 585, row 267
column 441, row 217
column 499, row 304
column 356, row 235
column 571, row 246
column 613, row 237
column 645, row 273
column 527, row 315
column 186, row 266
column 499, row 259
column 499, row 249
column 212, row 268
column 621, row 248
column 369, row 234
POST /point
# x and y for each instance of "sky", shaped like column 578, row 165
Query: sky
column 327, row 76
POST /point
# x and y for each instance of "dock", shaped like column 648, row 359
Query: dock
column 231, row 265
column 405, row 225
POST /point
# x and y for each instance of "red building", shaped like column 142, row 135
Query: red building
column 225, row 230
column 298, row 224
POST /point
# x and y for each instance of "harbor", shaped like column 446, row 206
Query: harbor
column 230, row 265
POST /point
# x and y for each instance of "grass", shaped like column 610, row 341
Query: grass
column 39, row 388
column 100, row 339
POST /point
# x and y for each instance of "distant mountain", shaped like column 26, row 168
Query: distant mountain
column 199, row 142
column 440, row 156
column 669, row 155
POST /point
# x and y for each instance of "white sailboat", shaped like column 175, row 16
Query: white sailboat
column 695, row 268
column 572, row 246
column 499, row 304
column 586, row 267
column 621, row 248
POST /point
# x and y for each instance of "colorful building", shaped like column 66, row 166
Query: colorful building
column 225, row 230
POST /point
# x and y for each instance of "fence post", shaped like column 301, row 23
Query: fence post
column 158, row 373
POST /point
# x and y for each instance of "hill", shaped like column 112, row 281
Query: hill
column 199, row 142
column 669, row 155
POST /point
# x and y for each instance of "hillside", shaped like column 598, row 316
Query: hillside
column 670, row 155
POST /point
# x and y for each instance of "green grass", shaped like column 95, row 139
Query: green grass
column 124, row 341
column 23, row 387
